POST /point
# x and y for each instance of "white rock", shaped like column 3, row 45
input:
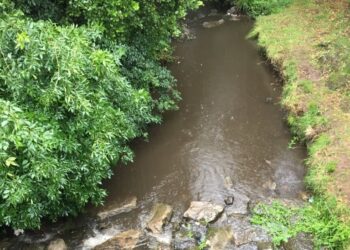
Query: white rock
column 220, row 239
column 58, row 244
column 201, row 210
column 124, row 240
column 18, row 232
column 127, row 206
column 213, row 24
column 160, row 215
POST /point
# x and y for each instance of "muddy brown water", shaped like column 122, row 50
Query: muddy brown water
column 229, row 125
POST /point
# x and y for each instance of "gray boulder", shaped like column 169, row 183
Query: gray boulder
column 220, row 239
column 300, row 242
column 239, row 206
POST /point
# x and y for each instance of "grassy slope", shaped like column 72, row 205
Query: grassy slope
column 309, row 42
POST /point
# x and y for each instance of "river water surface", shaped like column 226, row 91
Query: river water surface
column 229, row 125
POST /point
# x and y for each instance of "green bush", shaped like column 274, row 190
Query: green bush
column 78, row 81
column 261, row 7
column 150, row 75
column 148, row 25
column 66, row 115
column 43, row 9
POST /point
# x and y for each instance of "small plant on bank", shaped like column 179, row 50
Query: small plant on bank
column 330, row 167
column 293, row 142
column 204, row 222
column 319, row 218
column 190, row 233
column 203, row 244
column 276, row 219
column 311, row 119
column 307, row 86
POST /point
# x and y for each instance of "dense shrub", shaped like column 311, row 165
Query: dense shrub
column 261, row 7
column 66, row 115
column 150, row 75
column 253, row 8
column 148, row 25
column 43, row 9
column 78, row 81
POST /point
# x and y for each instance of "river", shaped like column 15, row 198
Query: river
column 229, row 126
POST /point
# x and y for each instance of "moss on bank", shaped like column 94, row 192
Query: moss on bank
column 309, row 43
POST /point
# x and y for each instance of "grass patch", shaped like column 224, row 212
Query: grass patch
column 318, row 218
column 305, row 124
column 306, row 85
column 320, row 143
column 309, row 42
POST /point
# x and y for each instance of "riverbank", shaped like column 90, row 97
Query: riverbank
column 309, row 43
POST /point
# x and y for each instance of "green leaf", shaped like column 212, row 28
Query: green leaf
column 11, row 161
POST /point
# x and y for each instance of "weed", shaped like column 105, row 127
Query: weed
column 331, row 166
column 306, row 85
column 293, row 142
column 276, row 219
column 204, row 222
column 316, row 179
column 312, row 50
column 320, row 143
column 312, row 118
column 318, row 218
column 189, row 231
column 203, row 244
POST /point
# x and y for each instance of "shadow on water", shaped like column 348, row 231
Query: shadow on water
column 229, row 124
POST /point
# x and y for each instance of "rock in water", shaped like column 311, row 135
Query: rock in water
column 300, row 242
column 213, row 24
column 250, row 246
column 245, row 233
column 213, row 12
column 18, row 232
column 271, row 185
column 244, row 236
column 124, row 240
column 234, row 17
column 239, row 206
column 184, row 243
column 189, row 234
column 201, row 16
column 268, row 100
column 201, row 210
column 187, row 33
column 220, row 239
column 228, row 182
column 265, row 246
column 229, row 200
column 58, row 244
column 231, row 10
column 161, row 214
column 127, row 206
